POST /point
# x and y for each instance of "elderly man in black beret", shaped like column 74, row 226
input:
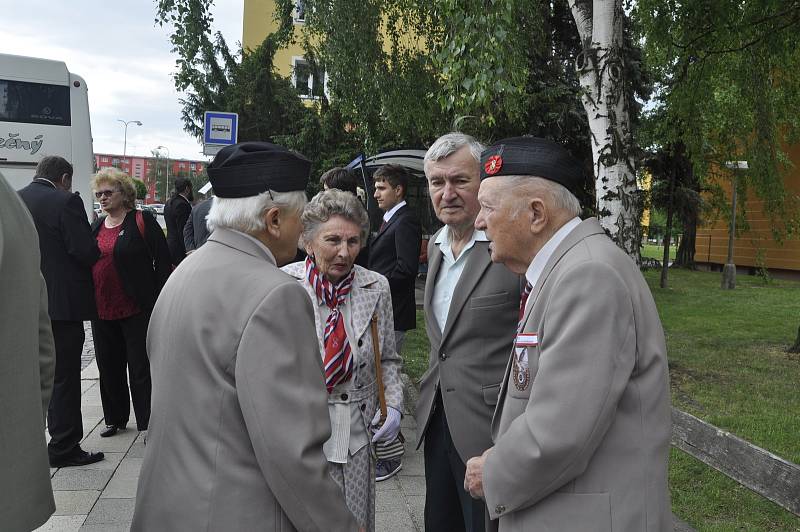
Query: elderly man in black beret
column 239, row 408
column 582, row 425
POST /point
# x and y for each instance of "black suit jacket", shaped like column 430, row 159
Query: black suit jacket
column 394, row 252
column 176, row 212
column 143, row 267
column 195, row 232
column 67, row 248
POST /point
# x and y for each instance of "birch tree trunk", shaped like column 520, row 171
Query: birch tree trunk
column 601, row 74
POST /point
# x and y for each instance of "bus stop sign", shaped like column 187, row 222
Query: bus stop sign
column 219, row 130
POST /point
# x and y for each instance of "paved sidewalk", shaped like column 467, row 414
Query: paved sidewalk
column 100, row 497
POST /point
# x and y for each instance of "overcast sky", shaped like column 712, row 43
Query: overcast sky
column 124, row 58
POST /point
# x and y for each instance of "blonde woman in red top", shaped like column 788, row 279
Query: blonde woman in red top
column 134, row 264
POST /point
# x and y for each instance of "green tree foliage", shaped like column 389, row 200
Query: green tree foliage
column 399, row 74
column 211, row 77
column 141, row 189
column 728, row 88
column 675, row 191
column 157, row 173
column 379, row 76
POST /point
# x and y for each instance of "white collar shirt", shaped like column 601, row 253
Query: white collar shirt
column 449, row 273
column 540, row 260
column 388, row 215
column 45, row 180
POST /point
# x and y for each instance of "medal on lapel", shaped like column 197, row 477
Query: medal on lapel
column 521, row 371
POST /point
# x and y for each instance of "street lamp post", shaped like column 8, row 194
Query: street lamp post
column 166, row 183
column 125, row 143
column 729, row 270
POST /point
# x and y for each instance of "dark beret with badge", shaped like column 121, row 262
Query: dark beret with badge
column 535, row 157
column 250, row 168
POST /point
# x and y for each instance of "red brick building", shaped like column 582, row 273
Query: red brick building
column 143, row 168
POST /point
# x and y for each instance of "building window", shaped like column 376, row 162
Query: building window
column 309, row 84
column 105, row 159
column 299, row 11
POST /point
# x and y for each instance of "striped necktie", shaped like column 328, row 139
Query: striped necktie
column 523, row 300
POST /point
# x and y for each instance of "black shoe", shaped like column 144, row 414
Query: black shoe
column 387, row 468
column 111, row 430
column 77, row 458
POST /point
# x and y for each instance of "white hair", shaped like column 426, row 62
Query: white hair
column 448, row 144
column 561, row 198
column 247, row 214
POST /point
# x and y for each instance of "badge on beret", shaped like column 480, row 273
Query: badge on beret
column 493, row 165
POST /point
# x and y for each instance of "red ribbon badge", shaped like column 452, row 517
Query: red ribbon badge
column 493, row 165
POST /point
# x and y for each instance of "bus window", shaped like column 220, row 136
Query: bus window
column 34, row 103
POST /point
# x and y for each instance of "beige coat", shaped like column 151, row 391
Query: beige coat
column 583, row 444
column 467, row 359
column 27, row 363
column 239, row 407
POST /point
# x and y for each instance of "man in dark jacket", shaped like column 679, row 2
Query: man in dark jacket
column 68, row 252
column 176, row 212
column 394, row 251
column 195, row 232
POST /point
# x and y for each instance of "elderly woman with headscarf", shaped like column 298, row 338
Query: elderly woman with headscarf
column 345, row 298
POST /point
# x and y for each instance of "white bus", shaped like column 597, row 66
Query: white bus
column 44, row 110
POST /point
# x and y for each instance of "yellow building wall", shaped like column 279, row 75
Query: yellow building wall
column 712, row 240
column 259, row 21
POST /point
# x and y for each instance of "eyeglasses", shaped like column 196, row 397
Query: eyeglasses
column 104, row 193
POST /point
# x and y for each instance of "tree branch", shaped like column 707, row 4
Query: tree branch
column 582, row 13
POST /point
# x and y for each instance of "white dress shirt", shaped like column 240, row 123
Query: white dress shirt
column 388, row 214
column 450, row 272
column 540, row 260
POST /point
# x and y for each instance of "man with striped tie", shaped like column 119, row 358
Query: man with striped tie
column 582, row 425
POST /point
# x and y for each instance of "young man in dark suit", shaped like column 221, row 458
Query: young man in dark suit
column 68, row 252
column 394, row 252
column 177, row 211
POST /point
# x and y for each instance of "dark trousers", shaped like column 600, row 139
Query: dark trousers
column 121, row 345
column 64, row 420
column 447, row 506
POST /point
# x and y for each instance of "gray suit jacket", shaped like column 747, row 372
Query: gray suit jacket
column 467, row 359
column 583, row 443
column 27, row 362
column 239, row 406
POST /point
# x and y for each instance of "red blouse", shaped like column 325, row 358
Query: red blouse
column 112, row 301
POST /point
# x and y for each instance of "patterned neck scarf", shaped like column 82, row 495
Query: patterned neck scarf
column 338, row 357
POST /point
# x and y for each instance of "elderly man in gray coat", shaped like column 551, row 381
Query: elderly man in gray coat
column 240, row 409
column 582, row 426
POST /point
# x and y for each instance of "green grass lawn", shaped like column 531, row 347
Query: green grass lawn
column 656, row 251
column 728, row 366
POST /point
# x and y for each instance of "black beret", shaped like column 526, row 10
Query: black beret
column 250, row 168
column 535, row 157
